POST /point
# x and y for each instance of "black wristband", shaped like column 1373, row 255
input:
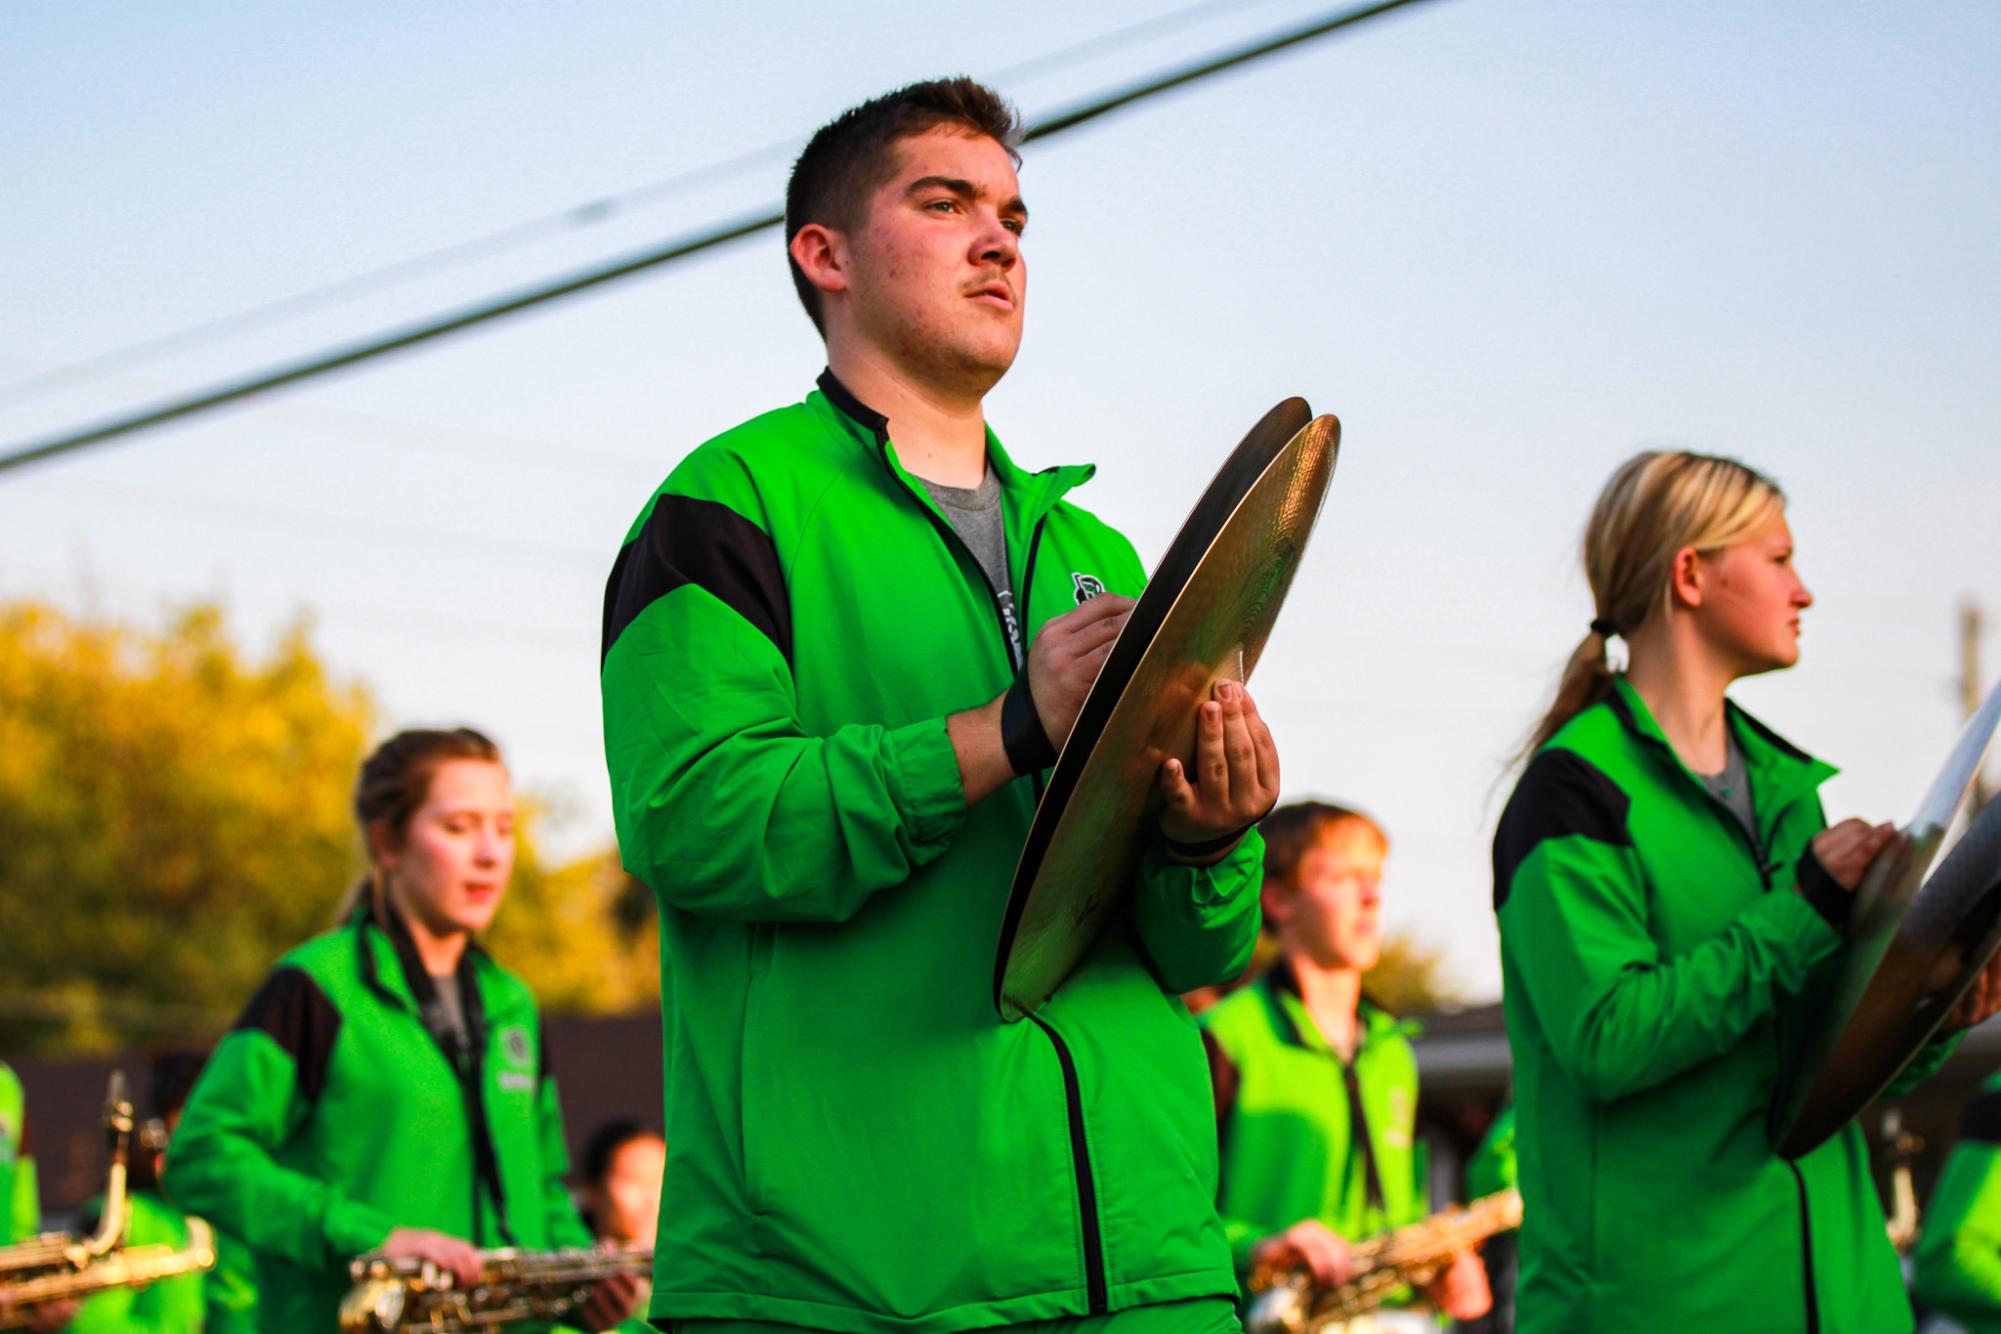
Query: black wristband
column 1210, row 846
column 1817, row 885
column 1022, row 737
column 1207, row 846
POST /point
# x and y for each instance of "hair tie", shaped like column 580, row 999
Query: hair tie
column 1604, row 628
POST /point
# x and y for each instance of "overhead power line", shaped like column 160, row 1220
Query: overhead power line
column 457, row 255
column 576, row 283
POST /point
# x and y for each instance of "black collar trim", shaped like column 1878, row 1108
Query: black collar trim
column 839, row 395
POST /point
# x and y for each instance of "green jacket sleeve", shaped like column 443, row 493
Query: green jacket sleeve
column 229, row 1290
column 1926, row 1063
column 1619, row 1014
column 564, row 1225
column 222, row 1164
column 25, row 1209
column 1958, row 1260
column 724, row 803
column 1200, row 924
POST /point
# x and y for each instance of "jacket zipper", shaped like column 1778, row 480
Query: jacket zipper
column 1073, row 1095
column 1806, row 1253
column 1080, row 1161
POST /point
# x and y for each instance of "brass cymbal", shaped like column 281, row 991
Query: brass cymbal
column 1204, row 617
column 1914, row 946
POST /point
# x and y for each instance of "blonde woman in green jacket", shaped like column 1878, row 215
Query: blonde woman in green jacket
column 1665, row 887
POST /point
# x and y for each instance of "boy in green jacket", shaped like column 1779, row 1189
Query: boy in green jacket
column 1316, row 1086
column 1958, row 1259
column 840, row 644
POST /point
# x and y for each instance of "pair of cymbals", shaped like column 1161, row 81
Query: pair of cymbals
column 1204, row 617
column 1915, row 944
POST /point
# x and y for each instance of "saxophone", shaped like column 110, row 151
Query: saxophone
column 410, row 1296
column 126, row 1267
column 58, row 1265
column 1286, row 1302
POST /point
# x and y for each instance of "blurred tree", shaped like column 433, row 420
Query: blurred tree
column 171, row 816
column 174, row 815
column 572, row 935
column 1407, row 978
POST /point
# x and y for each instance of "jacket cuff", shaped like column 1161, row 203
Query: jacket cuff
column 353, row 1228
column 1203, row 888
column 1791, row 919
column 922, row 773
column 1817, row 885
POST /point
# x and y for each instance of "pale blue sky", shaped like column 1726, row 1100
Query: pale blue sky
column 1508, row 243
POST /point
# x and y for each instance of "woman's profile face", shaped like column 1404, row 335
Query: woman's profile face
column 1750, row 611
column 458, row 851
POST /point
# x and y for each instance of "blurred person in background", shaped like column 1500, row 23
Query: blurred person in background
column 1957, row 1269
column 620, row 1194
column 20, row 1200
column 222, row 1300
column 1315, row 1084
column 386, row 1090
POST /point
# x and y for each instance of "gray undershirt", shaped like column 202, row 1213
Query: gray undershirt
column 452, row 1004
column 975, row 513
column 1733, row 786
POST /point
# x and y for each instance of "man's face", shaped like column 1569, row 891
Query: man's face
column 1330, row 913
column 936, row 278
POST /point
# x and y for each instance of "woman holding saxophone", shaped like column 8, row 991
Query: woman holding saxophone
column 386, row 1089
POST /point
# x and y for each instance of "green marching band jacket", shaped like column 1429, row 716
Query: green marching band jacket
column 334, row 1112
column 857, row 1141
column 1958, row 1269
column 1651, row 952
column 1287, row 1115
column 178, row 1305
column 20, row 1203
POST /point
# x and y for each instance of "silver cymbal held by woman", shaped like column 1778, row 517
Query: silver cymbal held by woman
column 411, row 1296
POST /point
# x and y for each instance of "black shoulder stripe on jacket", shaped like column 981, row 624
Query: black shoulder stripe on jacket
column 291, row 1008
column 1560, row 794
column 1982, row 1119
column 710, row 545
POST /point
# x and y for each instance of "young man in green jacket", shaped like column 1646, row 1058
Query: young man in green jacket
column 1315, row 1084
column 1958, row 1269
column 834, row 642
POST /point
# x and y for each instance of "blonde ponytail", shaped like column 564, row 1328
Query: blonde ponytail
column 1657, row 503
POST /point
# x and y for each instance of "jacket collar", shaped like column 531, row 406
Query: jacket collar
column 1781, row 773
column 391, row 968
column 1373, row 1023
column 1034, row 493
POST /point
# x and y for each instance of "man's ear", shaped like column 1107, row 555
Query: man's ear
column 822, row 255
column 1685, row 578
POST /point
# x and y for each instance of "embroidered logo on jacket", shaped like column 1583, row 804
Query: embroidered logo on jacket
column 1088, row 586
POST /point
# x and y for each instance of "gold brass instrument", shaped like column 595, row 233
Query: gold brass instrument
column 1286, row 1302
column 59, row 1265
column 64, row 1252
column 409, row 1296
column 124, row 1267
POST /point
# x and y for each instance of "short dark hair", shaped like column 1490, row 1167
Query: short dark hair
column 606, row 1141
column 1290, row 830
column 850, row 156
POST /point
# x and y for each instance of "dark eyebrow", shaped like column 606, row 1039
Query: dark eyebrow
column 966, row 190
